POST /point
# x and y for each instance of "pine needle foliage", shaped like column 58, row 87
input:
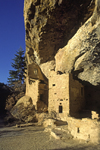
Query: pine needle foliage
column 17, row 74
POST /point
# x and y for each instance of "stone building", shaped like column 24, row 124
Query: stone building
column 36, row 85
column 67, row 101
column 66, row 95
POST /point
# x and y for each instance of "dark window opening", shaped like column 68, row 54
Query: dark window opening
column 60, row 109
column 41, row 97
column 59, row 72
column 53, row 84
column 78, row 130
column 42, row 82
column 61, row 99
column 82, row 91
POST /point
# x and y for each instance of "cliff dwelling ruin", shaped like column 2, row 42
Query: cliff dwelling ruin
column 37, row 85
column 61, row 44
column 60, row 92
column 66, row 95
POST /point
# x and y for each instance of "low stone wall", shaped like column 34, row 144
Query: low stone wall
column 32, row 90
column 85, row 129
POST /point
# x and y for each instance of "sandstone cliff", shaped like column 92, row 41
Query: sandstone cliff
column 64, row 36
column 50, row 24
column 55, row 24
column 62, row 46
column 82, row 54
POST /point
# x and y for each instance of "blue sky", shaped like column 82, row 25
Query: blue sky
column 12, row 34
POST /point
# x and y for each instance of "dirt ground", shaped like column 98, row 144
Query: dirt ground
column 34, row 138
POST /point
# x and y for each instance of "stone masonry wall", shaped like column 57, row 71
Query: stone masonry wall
column 59, row 94
column 43, row 93
column 32, row 90
column 77, row 100
column 85, row 129
column 65, row 93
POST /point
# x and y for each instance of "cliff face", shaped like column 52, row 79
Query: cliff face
column 64, row 35
column 82, row 54
column 50, row 24
column 68, row 25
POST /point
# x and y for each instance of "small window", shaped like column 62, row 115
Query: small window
column 53, row 84
column 61, row 99
column 35, row 71
column 60, row 109
column 78, row 130
column 59, row 72
column 82, row 91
